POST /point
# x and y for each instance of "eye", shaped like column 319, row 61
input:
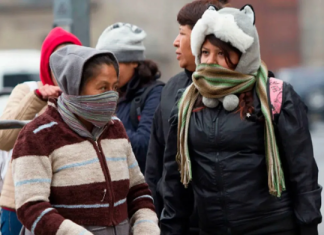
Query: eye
column 103, row 88
column 221, row 53
column 115, row 88
column 204, row 52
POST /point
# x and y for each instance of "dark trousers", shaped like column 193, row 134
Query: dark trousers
column 291, row 232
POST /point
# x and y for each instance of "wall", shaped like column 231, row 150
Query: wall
column 278, row 28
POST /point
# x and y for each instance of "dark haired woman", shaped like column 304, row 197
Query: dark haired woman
column 85, row 178
column 248, row 172
column 139, row 90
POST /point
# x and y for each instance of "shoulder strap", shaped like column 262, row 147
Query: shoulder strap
column 275, row 93
column 138, row 103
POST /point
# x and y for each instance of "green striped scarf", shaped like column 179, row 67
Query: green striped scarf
column 214, row 81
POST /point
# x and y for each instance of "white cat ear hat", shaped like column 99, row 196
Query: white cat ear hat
column 234, row 26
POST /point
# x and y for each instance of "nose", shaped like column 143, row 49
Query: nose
column 176, row 42
column 212, row 59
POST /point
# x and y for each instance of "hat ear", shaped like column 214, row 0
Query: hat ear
column 249, row 11
column 116, row 25
column 212, row 7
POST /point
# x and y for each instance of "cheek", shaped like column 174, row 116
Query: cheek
column 203, row 59
column 125, row 74
column 122, row 82
column 89, row 90
column 121, row 69
column 222, row 62
column 235, row 59
column 121, row 74
column 185, row 45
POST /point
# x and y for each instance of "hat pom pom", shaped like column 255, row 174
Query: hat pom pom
column 230, row 102
column 210, row 103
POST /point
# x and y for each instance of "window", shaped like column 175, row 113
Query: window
column 36, row 2
column 11, row 80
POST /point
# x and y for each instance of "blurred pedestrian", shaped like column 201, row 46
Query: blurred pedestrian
column 187, row 18
column 249, row 172
column 86, row 179
column 5, row 157
column 139, row 88
column 25, row 102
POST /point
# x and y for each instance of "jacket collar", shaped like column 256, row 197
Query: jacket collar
column 188, row 73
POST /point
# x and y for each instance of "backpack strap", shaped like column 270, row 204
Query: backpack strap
column 138, row 103
column 275, row 94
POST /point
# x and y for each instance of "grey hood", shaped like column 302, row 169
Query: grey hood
column 67, row 65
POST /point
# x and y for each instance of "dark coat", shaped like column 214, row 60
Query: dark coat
column 139, row 137
column 160, row 129
column 229, row 175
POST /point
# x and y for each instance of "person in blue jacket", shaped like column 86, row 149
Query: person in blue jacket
column 139, row 90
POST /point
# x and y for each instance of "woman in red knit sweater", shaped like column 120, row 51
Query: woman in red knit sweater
column 85, row 180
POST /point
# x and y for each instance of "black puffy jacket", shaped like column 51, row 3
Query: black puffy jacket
column 229, row 175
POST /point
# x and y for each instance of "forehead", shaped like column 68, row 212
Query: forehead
column 185, row 28
column 106, row 73
column 209, row 45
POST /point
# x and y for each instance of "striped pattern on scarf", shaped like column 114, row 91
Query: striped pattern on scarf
column 97, row 109
column 214, row 81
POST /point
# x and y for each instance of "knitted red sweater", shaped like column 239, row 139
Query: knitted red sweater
column 63, row 180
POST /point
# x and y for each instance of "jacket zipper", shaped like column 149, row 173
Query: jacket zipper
column 219, row 177
column 104, row 192
column 105, row 170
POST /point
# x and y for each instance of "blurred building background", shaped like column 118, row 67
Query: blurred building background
column 25, row 23
column 290, row 30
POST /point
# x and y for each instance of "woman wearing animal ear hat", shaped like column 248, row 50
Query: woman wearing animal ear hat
column 244, row 158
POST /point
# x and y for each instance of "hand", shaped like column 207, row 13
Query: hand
column 48, row 91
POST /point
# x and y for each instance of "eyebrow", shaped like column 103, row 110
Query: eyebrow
column 205, row 48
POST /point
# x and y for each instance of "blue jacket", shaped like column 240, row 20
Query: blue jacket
column 139, row 138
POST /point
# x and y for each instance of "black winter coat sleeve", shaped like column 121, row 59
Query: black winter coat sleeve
column 154, row 160
column 178, row 201
column 300, row 168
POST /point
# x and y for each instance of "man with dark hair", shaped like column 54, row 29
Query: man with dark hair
column 187, row 18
